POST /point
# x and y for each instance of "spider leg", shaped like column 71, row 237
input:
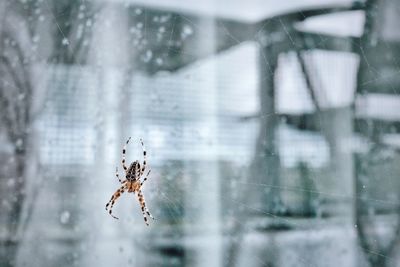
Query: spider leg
column 144, row 157
column 114, row 198
column 145, row 178
column 143, row 207
column 123, row 154
column 116, row 174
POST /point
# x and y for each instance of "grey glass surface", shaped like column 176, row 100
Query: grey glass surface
column 271, row 129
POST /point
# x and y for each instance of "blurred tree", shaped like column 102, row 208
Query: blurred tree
column 377, row 168
column 18, row 50
column 32, row 34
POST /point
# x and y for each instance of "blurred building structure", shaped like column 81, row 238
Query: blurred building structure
column 259, row 125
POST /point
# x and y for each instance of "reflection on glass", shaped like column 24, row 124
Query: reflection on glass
column 271, row 131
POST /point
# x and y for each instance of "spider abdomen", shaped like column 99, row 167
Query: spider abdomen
column 133, row 186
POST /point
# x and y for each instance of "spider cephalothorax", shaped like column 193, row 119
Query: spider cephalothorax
column 132, row 182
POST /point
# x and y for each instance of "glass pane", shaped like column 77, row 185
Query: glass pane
column 263, row 133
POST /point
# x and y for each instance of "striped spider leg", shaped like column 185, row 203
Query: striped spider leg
column 132, row 182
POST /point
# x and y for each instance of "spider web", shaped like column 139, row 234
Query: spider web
column 215, row 188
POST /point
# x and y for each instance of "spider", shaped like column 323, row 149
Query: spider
column 132, row 182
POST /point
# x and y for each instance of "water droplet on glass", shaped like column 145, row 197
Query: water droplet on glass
column 65, row 41
column 161, row 29
column 159, row 61
column 79, row 31
column 35, row 38
column 64, row 217
column 19, row 143
column 11, row 182
column 147, row 56
column 138, row 11
column 187, row 30
column 165, row 18
column 21, row 97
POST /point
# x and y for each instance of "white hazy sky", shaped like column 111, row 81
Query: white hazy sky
column 347, row 23
column 246, row 10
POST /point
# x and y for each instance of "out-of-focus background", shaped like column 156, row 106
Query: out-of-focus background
column 272, row 129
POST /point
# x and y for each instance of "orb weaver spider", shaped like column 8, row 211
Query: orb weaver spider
column 132, row 182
